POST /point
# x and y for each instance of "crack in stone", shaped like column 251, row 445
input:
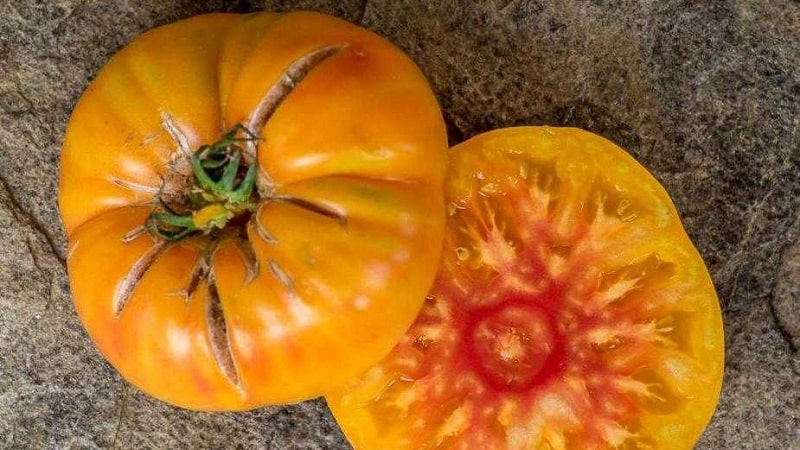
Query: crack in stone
column 31, row 106
column 736, row 262
column 508, row 5
column 363, row 12
column 26, row 217
column 67, row 19
column 123, row 408
column 44, row 272
column 786, row 296
column 782, row 328
column 34, row 258
column 26, row 99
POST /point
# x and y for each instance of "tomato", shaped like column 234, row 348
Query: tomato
column 254, row 206
column 570, row 311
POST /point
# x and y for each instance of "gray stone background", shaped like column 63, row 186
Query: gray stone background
column 706, row 94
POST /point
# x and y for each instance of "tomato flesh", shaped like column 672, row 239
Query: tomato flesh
column 570, row 312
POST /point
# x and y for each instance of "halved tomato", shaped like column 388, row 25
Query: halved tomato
column 571, row 311
column 254, row 206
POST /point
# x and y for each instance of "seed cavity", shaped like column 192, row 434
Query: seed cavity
column 128, row 284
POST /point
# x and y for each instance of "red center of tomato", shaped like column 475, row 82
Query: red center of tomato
column 514, row 345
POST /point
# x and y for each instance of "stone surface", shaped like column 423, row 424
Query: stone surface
column 786, row 300
column 704, row 94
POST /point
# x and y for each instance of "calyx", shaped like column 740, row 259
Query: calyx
column 221, row 190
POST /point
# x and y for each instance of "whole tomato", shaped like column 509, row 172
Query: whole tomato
column 571, row 311
column 254, row 206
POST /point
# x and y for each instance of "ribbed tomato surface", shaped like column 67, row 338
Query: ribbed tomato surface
column 314, row 275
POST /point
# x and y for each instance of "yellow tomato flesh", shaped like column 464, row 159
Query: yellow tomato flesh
column 315, row 285
column 571, row 311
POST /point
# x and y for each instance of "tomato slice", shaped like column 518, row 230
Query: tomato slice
column 571, row 311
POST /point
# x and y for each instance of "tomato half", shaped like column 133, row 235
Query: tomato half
column 570, row 311
column 254, row 205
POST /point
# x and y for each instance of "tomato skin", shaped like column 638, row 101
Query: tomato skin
column 360, row 134
column 571, row 311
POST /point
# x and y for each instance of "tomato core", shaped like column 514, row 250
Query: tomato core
column 515, row 346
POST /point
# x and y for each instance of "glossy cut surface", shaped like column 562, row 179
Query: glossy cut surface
column 571, row 311
column 324, row 277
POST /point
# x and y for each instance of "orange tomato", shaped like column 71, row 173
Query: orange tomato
column 298, row 265
column 570, row 311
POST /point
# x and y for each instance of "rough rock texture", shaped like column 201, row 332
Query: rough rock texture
column 705, row 94
column 786, row 299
